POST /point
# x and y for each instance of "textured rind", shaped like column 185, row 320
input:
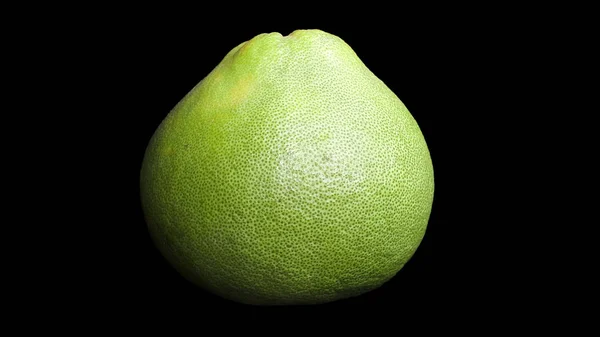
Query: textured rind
column 289, row 175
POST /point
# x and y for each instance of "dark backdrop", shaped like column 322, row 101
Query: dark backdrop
column 137, row 68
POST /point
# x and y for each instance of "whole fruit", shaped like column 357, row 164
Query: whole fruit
column 289, row 175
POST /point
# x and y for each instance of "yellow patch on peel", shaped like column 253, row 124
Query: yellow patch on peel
column 233, row 93
column 167, row 150
column 241, row 90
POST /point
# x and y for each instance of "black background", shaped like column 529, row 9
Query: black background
column 496, row 89
column 452, row 74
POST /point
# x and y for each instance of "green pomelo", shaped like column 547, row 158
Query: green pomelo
column 289, row 175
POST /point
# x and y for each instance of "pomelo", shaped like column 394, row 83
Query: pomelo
column 289, row 175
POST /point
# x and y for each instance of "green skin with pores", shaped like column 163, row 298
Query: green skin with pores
column 289, row 175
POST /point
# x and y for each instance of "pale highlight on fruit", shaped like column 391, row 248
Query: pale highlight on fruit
column 289, row 175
